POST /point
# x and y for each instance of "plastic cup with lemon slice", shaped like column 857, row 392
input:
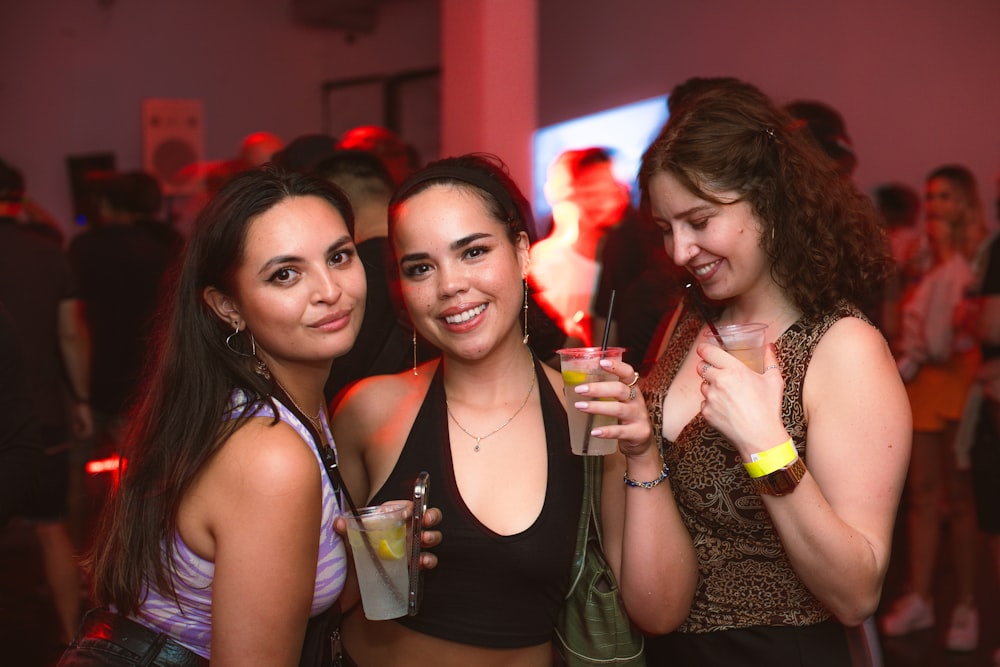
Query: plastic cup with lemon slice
column 581, row 365
column 378, row 539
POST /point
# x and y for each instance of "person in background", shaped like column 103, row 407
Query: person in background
column 219, row 542
column 258, row 148
column 119, row 264
column 827, row 127
column 982, row 415
column 399, row 158
column 383, row 344
column 899, row 206
column 20, row 443
column 37, row 288
column 786, row 482
column 486, row 420
column 306, row 151
column 587, row 201
column 938, row 357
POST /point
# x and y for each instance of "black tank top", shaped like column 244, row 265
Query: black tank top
column 498, row 591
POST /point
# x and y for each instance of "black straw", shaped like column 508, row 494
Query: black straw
column 604, row 354
column 699, row 303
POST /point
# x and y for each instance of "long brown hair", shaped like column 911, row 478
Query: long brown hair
column 178, row 423
column 820, row 231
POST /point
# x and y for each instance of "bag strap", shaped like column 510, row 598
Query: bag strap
column 587, row 513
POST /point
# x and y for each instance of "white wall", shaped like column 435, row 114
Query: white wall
column 73, row 74
column 916, row 80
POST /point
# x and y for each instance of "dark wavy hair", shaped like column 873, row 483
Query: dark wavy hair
column 821, row 232
column 484, row 175
column 178, row 423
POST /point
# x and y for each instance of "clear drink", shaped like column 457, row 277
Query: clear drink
column 743, row 341
column 580, row 365
column 378, row 539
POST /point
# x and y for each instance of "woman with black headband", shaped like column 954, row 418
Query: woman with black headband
column 486, row 420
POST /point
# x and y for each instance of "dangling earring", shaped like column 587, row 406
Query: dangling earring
column 525, row 339
column 261, row 368
column 230, row 337
column 415, row 352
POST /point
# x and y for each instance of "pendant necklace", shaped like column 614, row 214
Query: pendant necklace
column 480, row 438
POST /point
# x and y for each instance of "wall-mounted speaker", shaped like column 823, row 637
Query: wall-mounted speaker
column 173, row 137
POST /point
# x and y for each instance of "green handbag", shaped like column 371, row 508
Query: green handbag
column 592, row 627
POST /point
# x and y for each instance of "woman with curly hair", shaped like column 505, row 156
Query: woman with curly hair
column 787, row 481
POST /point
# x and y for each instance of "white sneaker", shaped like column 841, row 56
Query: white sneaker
column 908, row 614
column 963, row 633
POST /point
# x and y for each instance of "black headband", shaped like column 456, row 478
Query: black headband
column 457, row 172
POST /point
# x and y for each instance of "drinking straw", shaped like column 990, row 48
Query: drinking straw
column 604, row 353
column 699, row 303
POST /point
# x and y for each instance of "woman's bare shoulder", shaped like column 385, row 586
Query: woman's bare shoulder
column 372, row 399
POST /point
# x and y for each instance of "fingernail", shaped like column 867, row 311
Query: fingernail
column 605, row 363
column 582, row 388
column 580, row 405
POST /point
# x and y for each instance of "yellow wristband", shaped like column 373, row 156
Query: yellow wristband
column 765, row 462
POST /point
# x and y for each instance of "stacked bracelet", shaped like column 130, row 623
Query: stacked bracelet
column 765, row 462
column 648, row 485
column 776, row 471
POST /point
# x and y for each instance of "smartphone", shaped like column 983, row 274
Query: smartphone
column 421, row 488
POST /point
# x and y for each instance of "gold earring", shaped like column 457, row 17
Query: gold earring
column 525, row 339
column 415, row 352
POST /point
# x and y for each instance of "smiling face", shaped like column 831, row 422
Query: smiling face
column 719, row 244
column 300, row 287
column 460, row 275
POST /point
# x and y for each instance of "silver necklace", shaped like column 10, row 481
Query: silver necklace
column 316, row 421
column 480, row 438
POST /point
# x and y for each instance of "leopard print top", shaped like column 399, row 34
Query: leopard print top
column 745, row 576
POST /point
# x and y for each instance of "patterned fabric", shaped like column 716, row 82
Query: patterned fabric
column 745, row 577
column 191, row 622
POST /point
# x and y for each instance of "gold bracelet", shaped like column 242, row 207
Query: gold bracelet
column 782, row 481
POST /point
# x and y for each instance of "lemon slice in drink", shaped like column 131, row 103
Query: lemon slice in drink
column 573, row 378
column 391, row 543
column 391, row 550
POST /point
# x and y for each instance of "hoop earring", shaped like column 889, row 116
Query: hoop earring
column 229, row 342
column 525, row 339
column 415, row 352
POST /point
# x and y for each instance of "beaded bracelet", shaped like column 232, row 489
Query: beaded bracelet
column 648, row 485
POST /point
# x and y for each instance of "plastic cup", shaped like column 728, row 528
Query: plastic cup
column 379, row 539
column 743, row 341
column 580, row 365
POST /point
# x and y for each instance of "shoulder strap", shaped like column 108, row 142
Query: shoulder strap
column 587, row 514
column 325, row 453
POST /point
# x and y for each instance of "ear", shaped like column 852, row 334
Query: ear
column 223, row 306
column 522, row 246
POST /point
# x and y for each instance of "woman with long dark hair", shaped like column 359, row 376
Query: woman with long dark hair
column 219, row 543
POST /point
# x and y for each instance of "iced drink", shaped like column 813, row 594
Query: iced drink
column 378, row 539
column 580, row 365
column 743, row 341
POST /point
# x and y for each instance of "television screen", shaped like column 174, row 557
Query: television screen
column 625, row 131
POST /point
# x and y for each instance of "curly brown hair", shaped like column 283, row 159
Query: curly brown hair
column 820, row 231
